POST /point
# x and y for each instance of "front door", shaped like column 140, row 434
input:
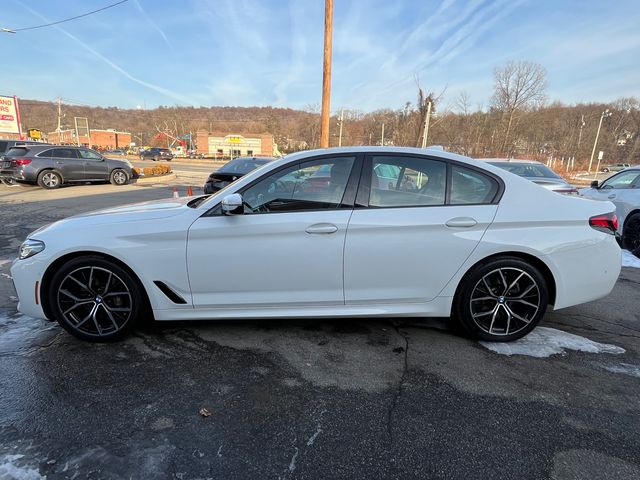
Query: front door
column 95, row 166
column 421, row 220
column 285, row 248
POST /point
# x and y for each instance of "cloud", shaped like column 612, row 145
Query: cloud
column 152, row 23
column 116, row 67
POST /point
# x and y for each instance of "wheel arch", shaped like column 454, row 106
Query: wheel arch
column 55, row 265
column 532, row 259
column 629, row 215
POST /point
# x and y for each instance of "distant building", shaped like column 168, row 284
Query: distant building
column 236, row 145
column 102, row 139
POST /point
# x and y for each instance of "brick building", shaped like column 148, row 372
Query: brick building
column 102, row 139
column 225, row 145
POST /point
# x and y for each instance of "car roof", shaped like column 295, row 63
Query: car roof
column 510, row 160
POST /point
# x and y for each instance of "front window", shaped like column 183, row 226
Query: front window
column 622, row 180
column 89, row 154
column 312, row 185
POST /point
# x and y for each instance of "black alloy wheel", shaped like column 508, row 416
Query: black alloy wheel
column 95, row 300
column 501, row 300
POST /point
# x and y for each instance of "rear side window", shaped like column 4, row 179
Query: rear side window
column 17, row 152
column 63, row 153
column 403, row 181
column 471, row 187
column 3, row 146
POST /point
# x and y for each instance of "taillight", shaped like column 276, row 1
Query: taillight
column 607, row 223
column 21, row 161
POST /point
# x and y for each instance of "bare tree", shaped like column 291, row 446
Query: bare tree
column 517, row 86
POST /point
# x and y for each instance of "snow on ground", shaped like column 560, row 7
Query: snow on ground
column 544, row 342
column 10, row 469
column 4, row 261
column 629, row 259
column 624, row 368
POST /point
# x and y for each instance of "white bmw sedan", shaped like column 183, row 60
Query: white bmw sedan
column 349, row 232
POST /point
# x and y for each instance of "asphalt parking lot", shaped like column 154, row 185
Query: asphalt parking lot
column 311, row 399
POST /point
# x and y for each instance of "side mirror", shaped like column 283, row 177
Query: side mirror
column 231, row 203
column 594, row 184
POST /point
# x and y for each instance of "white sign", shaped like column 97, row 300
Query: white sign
column 600, row 155
column 9, row 116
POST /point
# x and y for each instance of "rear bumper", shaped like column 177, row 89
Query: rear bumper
column 585, row 274
column 18, row 175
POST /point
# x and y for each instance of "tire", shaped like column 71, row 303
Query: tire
column 501, row 300
column 605, row 170
column 631, row 234
column 95, row 300
column 49, row 179
column 155, row 159
column 119, row 177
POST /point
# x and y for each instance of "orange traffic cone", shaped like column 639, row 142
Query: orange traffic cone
column 189, row 191
column 175, row 193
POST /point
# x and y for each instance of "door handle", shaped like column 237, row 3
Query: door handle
column 58, row 162
column 612, row 196
column 321, row 228
column 461, row 222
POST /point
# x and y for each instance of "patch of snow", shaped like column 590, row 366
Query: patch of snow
column 4, row 261
column 10, row 469
column 624, row 368
column 544, row 341
column 630, row 260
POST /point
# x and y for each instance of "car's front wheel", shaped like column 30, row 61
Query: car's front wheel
column 49, row 179
column 605, row 170
column 631, row 234
column 502, row 299
column 95, row 299
column 119, row 177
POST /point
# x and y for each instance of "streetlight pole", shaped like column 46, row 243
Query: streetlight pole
column 425, row 132
column 326, row 74
column 604, row 114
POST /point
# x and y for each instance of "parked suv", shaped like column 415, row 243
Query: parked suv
column 53, row 165
column 156, row 154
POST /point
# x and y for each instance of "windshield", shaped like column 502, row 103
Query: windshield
column 242, row 165
column 529, row 170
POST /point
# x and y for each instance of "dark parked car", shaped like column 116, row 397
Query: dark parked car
column 53, row 165
column 156, row 154
column 232, row 171
column 537, row 173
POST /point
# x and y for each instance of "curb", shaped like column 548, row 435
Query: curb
column 153, row 179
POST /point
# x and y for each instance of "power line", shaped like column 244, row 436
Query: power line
column 68, row 19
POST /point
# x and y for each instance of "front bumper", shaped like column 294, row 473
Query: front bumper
column 27, row 280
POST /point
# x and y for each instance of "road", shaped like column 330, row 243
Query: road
column 305, row 399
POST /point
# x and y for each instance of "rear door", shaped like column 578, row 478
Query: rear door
column 66, row 161
column 416, row 221
column 95, row 166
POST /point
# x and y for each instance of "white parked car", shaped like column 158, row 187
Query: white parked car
column 320, row 234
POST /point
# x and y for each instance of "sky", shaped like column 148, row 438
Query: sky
column 146, row 53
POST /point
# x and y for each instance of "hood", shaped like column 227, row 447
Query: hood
column 134, row 213
column 119, row 162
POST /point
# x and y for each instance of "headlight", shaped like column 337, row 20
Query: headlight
column 29, row 248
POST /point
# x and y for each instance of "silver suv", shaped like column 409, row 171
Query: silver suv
column 53, row 165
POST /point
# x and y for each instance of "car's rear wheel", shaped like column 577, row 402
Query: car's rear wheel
column 119, row 177
column 49, row 179
column 95, row 300
column 631, row 234
column 501, row 300
column 605, row 170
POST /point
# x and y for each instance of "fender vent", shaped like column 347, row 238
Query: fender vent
column 171, row 295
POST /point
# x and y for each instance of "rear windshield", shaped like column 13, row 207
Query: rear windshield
column 17, row 152
column 532, row 170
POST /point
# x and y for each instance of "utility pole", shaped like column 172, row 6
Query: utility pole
column 59, row 128
column 604, row 114
column 326, row 74
column 341, row 120
column 425, row 132
column 580, row 134
column 382, row 139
